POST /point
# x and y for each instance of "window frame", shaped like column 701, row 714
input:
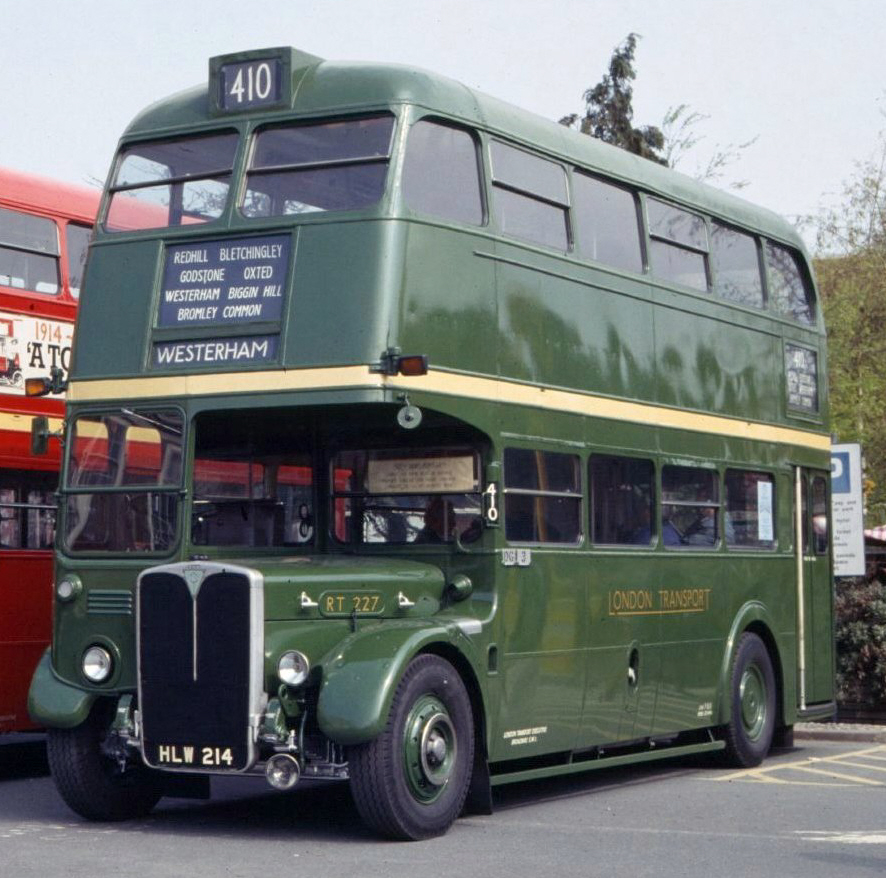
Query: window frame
column 510, row 490
column 678, row 246
column 654, row 532
column 476, row 141
column 249, row 172
column 496, row 183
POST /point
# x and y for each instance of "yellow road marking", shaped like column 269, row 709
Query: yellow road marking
column 763, row 773
column 864, row 765
column 837, row 774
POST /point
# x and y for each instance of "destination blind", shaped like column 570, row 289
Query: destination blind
column 217, row 283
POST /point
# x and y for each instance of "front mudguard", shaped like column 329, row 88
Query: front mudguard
column 54, row 703
column 361, row 674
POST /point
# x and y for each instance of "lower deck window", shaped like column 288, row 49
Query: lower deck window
column 27, row 509
column 542, row 496
column 690, row 507
column 622, row 500
column 750, row 521
column 253, row 482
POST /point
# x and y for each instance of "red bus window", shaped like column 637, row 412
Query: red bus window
column 27, row 509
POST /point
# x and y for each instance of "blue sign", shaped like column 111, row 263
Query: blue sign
column 841, row 480
column 238, row 351
column 217, row 283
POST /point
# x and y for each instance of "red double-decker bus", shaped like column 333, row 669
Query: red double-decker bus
column 45, row 228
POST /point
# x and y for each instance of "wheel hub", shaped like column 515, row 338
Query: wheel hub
column 752, row 696
column 430, row 748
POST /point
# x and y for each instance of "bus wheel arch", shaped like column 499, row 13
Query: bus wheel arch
column 752, row 696
column 752, row 618
column 412, row 780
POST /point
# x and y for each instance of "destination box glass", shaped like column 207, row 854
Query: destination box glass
column 218, row 283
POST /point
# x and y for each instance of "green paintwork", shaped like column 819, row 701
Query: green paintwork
column 545, row 657
column 362, row 671
column 52, row 702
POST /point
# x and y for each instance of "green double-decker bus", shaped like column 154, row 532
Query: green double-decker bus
column 415, row 440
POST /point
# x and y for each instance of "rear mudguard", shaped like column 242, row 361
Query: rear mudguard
column 754, row 616
column 361, row 674
column 54, row 703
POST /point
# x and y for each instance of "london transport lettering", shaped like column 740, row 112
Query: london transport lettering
column 661, row 602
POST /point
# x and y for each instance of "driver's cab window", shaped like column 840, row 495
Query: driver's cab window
column 406, row 496
column 251, row 488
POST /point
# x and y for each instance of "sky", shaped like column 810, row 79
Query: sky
column 804, row 77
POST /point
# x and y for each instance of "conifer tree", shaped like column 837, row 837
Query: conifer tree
column 609, row 112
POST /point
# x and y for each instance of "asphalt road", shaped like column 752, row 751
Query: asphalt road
column 816, row 811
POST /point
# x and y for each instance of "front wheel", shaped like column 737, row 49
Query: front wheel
column 92, row 783
column 411, row 781
column 752, row 691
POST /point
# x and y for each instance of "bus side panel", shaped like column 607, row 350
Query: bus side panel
column 623, row 654
column 344, row 285
column 26, row 598
column 711, row 365
column 447, row 308
column 557, row 331
column 541, row 624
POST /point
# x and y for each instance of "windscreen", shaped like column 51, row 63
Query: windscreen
column 317, row 167
column 122, row 478
column 171, row 182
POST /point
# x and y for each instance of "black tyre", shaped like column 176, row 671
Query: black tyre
column 93, row 784
column 411, row 781
column 752, row 690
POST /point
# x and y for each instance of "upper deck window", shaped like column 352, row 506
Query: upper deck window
column 529, row 197
column 77, row 238
column 28, row 252
column 678, row 246
column 318, row 167
column 441, row 175
column 171, row 183
column 736, row 266
column 607, row 230
column 788, row 293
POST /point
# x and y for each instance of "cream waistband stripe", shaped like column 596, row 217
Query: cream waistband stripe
column 438, row 381
column 21, row 423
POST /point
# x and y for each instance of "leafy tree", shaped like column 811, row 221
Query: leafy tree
column 852, row 279
column 609, row 111
column 860, row 610
column 680, row 129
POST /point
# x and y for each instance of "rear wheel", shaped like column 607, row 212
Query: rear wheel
column 92, row 783
column 749, row 732
column 412, row 780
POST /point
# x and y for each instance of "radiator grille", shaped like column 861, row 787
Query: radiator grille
column 109, row 602
column 195, row 669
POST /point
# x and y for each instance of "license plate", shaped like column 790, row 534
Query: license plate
column 193, row 756
column 350, row 603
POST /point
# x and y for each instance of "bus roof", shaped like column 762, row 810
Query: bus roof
column 50, row 196
column 333, row 87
